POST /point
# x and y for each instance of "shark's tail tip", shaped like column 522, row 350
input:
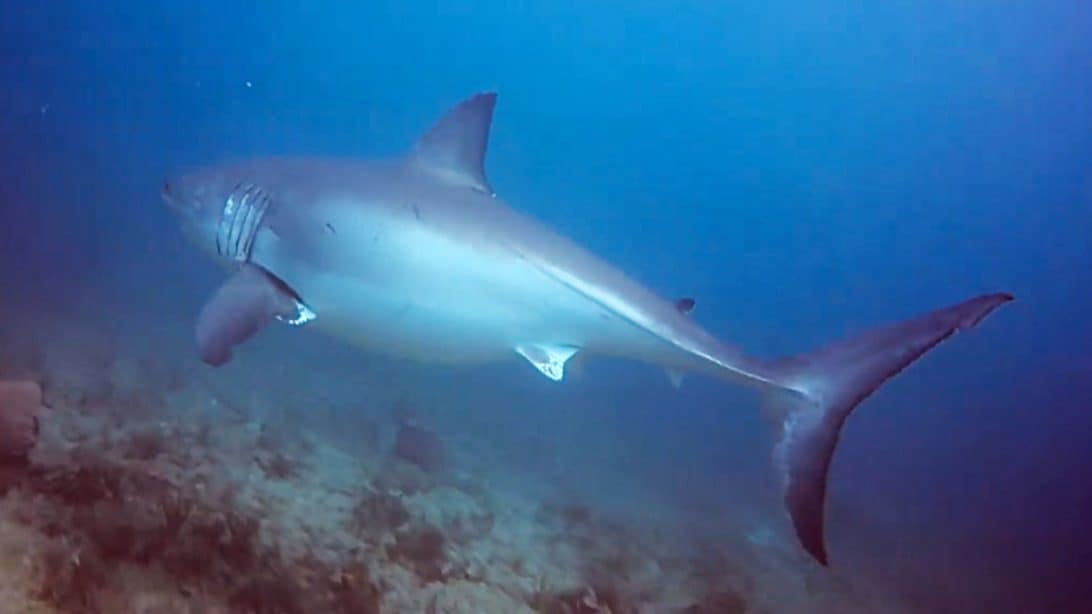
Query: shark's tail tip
column 485, row 97
column 971, row 312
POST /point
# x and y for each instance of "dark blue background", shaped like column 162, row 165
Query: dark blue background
column 803, row 170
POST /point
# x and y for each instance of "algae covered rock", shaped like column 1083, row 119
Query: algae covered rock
column 457, row 514
column 420, row 446
column 471, row 598
column 20, row 406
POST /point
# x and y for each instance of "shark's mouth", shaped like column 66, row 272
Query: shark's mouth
column 240, row 219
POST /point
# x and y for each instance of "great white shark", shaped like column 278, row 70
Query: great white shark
column 417, row 257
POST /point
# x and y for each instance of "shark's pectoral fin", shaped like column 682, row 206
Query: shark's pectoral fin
column 549, row 359
column 242, row 306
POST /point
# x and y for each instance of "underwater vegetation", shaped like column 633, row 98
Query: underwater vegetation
column 102, row 519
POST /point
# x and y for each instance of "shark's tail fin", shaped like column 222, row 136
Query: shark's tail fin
column 823, row 387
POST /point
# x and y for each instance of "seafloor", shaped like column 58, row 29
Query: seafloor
column 159, row 486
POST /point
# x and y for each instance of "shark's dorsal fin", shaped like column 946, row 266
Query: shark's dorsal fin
column 454, row 148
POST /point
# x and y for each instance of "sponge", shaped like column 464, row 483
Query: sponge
column 20, row 406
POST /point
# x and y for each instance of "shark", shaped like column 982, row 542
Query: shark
column 416, row 256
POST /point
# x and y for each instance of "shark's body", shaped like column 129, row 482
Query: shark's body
column 416, row 257
column 392, row 258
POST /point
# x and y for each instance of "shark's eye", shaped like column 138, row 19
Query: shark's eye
column 166, row 189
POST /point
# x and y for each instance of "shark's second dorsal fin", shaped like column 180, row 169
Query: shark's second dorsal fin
column 684, row 305
column 454, row 147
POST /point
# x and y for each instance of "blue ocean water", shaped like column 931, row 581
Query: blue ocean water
column 803, row 171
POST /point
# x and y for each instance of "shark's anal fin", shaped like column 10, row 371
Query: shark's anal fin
column 241, row 307
column 676, row 377
column 684, row 305
column 822, row 388
column 548, row 359
column 454, row 148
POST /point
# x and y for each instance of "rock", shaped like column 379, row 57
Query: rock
column 77, row 385
column 419, row 446
column 404, row 478
column 422, row 550
column 471, row 598
column 20, row 405
column 720, row 602
column 458, row 515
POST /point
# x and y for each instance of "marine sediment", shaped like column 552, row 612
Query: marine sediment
column 139, row 489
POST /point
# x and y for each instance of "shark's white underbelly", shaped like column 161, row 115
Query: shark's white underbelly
column 414, row 293
column 471, row 325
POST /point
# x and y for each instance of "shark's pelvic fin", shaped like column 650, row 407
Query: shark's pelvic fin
column 454, row 148
column 822, row 388
column 548, row 359
column 684, row 305
column 242, row 306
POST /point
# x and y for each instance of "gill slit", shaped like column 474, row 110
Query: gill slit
column 244, row 209
column 239, row 225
